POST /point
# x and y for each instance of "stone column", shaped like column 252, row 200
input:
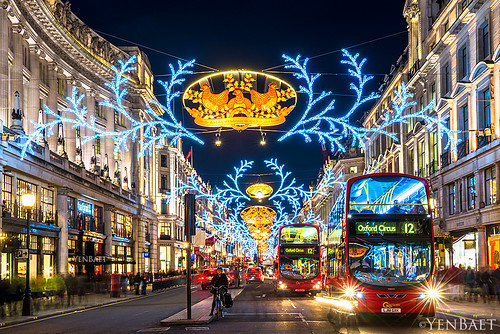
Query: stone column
column 108, row 242
column 482, row 252
column 4, row 65
column 153, row 249
column 16, row 80
column 62, row 222
column 33, row 106
column 497, row 175
column 138, row 232
column 52, row 103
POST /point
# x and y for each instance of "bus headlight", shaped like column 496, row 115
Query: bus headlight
column 350, row 292
column 316, row 286
column 359, row 295
column 431, row 293
column 282, row 286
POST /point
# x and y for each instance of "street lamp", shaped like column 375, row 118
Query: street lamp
column 28, row 201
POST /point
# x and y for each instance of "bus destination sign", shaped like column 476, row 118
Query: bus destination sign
column 381, row 228
column 298, row 250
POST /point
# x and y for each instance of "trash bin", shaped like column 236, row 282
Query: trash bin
column 115, row 285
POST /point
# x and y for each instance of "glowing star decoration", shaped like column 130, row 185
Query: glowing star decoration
column 318, row 121
column 239, row 99
column 160, row 123
column 259, row 191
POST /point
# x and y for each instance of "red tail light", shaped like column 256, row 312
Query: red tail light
column 259, row 275
column 202, row 278
column 231, row 277
column 246, row 275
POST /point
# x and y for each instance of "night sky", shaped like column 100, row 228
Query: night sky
column 253, row 35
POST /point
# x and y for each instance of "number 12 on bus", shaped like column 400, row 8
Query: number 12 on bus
column 297, row 260
column 381, row 246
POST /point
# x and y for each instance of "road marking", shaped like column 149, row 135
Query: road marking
column 197, row 328
column 293, row 305
column 155, row 329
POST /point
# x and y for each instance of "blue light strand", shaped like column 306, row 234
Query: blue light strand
column 335, row 129
column 152, row 131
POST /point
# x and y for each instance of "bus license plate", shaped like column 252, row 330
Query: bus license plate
column 391, row 310
column 300, row 290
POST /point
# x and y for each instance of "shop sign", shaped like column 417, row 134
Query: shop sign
column 146, row 254
column 85, row 207
column 22, row 253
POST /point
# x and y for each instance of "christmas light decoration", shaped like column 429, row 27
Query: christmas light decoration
column 334, row 130
column 152, row 131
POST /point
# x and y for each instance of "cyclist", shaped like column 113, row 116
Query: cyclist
column 219, row 279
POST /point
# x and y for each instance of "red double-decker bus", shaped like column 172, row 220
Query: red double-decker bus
column 381, row 247
column 297, row 259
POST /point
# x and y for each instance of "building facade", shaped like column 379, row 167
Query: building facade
column 452, row 58
column 95, row 209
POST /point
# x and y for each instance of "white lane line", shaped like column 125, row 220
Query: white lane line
column 293, row 305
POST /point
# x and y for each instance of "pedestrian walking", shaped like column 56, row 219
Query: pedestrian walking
column 486, row 285
column 495, row 277
column 144, row 283
column 137, row 282
column 470, row 283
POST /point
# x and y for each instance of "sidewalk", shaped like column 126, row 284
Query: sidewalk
column 199, row 312
column 473, row 310
column 60, row 307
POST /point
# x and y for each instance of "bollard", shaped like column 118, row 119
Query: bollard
column 115, row 285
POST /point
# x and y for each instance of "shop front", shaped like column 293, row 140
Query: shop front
column 465, row 249
column 493, row 237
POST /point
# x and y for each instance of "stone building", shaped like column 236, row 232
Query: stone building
column 453, row 58
column 94, row 210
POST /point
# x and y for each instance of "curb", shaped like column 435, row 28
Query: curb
column 82, row 308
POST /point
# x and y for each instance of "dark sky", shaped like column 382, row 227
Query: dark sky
column 253, row 35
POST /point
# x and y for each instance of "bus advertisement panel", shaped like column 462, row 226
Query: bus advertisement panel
column 297, row 262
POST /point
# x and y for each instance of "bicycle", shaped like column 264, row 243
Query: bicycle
column 219, row 305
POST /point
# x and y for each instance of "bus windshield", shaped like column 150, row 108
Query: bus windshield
column 299, row 268
column 299, row 234
column 390, row 264
column 388, row 194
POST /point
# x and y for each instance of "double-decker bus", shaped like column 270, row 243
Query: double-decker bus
column 297, row 259
column 381, row 247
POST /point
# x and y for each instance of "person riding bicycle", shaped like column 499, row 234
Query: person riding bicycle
column 219, row 279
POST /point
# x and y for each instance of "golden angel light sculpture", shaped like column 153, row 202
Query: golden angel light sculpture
column 239, row 99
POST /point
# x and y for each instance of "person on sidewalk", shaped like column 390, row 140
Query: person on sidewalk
column 137, row 282
column 470, row 282
column 144, row 283
column 219, row 279
column 486, row 285
column 495, row 277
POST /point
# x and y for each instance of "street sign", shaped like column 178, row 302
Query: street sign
column 22, row 253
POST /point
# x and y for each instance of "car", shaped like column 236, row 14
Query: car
column 206, row 277
column 254, row 275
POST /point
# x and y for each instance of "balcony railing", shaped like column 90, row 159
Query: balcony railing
column 483, row 141
column 84, row 222
column 445, row 159
column 463, row 149
column 15, row 211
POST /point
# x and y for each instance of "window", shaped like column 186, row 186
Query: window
column 25, row 187
column 44, row 76
column 48, row 244
column 164, row 160
column 446, row 26
column 471, row 192
column 164, row 206
column 434, row 153
column 462, row 7
column 26, row 57
column 490, row 185
column 446, row 79
column 7, row 194
column 460, row 198
column 432, row 96
column 60, row 86
column 47, row 202
column 118, row 118
column 484, row 41
column 97, row 146
column 421, row 158
column 121, row 225
column 463, row 63
column 98, row 109
column 165, row 229
column 411, row 121
column 485, row 114
column 353, row 169
column 98, row 216
column 411, row 159
column 451, row 198
column 118, row 154
column 72, row 213
column 464, row 110
column 164, row 182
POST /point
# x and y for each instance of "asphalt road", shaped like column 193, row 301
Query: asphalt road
column 258, row 309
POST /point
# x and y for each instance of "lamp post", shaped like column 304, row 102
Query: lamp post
column 28, row 201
